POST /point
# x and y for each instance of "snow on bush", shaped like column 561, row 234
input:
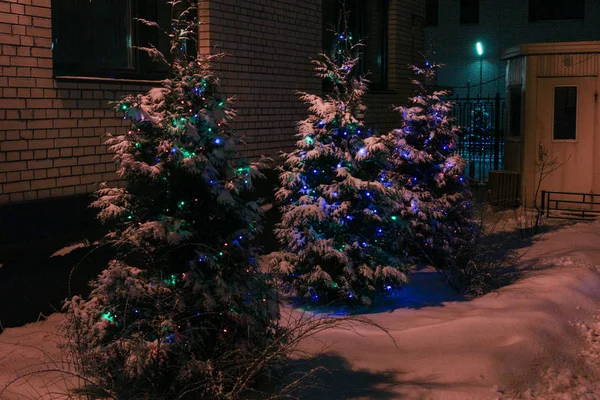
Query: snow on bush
column 183, row 310
column 335, row 207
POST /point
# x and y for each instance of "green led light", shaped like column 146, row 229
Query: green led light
column 309, row 140
column 108, row 316
column 479, row 47
column 394, row 218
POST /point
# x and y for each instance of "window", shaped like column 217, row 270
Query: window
column 367, row 22
column 469, row 12
column 565, row 113
column 431, row 12
column 548, row 10
column 98, row 38
column 514, row 111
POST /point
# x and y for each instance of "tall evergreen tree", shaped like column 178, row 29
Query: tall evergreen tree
column 335, row 206
column 184, row 293
column 433, row 220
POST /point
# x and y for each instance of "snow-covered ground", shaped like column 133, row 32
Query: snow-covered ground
column 535, row 339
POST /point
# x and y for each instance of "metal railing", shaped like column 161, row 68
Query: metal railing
column 563, row 205
column 481, row 141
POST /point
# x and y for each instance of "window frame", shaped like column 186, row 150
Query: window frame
column 554, row 113
column 142, row 67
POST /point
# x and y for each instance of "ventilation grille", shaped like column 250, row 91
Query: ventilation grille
column 504, row 189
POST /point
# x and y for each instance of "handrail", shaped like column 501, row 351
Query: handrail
column 571, row 213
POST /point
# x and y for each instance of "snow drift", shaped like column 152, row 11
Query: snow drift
column 533, row 339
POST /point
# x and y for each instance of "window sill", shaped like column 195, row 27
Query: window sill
column 388, row 92
column 70, row 78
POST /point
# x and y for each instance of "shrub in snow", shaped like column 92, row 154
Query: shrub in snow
column 184, row 310
column 335, row 206
column 433, row 219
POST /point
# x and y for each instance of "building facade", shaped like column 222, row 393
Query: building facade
column 554, row 120
column 63, row 61
column 454, row 27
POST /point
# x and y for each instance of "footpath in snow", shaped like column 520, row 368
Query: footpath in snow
column 535, row 339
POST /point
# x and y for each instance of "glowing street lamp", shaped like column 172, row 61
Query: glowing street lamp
column 479, row 48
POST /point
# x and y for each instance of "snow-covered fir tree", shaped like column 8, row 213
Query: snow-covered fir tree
column 433, row 220
column 184, row 304
column 335, row 206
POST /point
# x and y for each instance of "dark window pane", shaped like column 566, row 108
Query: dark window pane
column 431, row 12
column 98, row 38
column 375, row 39
column 92, row 35
column 330, row 24
column 152, row 10
column 515, row 111
column 469, row 11
column 565, row 112
column 367, row 21
column 546, row 10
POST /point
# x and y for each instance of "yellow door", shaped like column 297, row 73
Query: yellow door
column 565, row 134
column 565, row 131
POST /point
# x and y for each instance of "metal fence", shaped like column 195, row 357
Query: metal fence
column 481, row 141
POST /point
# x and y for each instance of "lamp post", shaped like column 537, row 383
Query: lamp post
column 479, row 48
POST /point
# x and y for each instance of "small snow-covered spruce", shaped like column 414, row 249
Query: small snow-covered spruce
column 184, row 302
column 433, row 222
column 335, row 208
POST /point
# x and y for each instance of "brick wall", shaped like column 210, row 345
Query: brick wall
column 270, row 45
column 406, row 43
column 51, row 130
column 502, row 24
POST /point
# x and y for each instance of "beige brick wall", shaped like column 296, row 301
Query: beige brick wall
column 51, row 130
column 269, row 46
column 406, row 43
